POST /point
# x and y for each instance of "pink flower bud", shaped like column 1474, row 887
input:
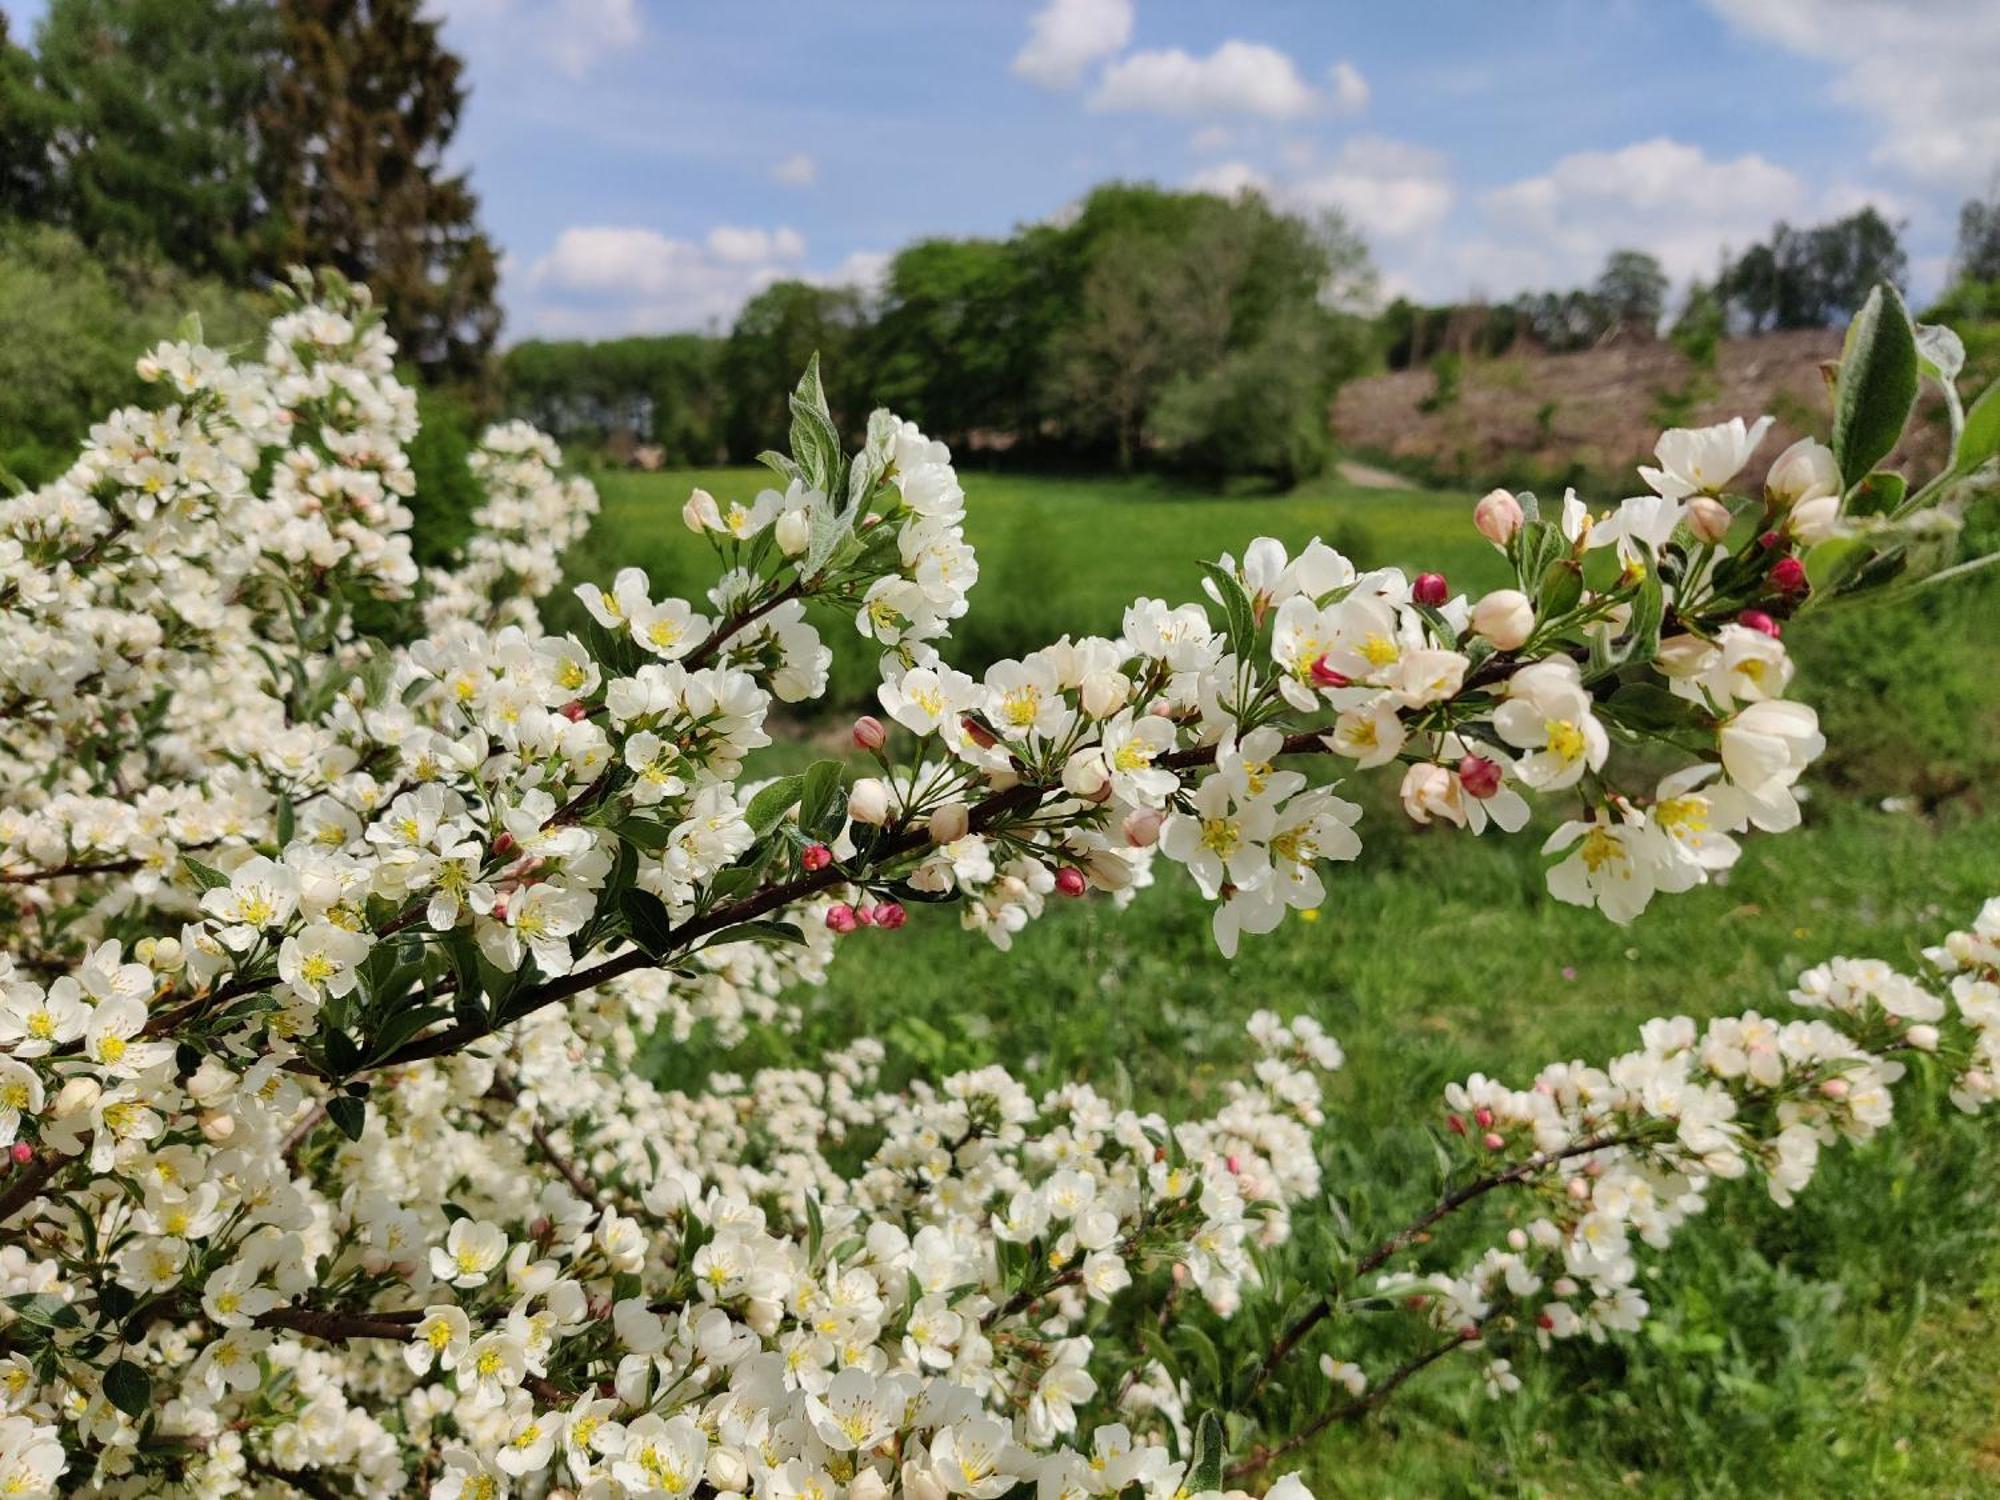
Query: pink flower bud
column 1479, row 776
column 1498, row 515
column 1544, row 1322
column 1923, row 1037
column 1708, row 518
column 1578, row 1189
column 504, row 846
column 1493, row 1141
column 1457, row 1125
column 1757, row 620
column 1142, row 827
column 1483, row 1115
column 1069, row 880
column 869, row 734
column 574, row 710
column 1504, row 617
column 815, row 857
column 500, row 909
column 1431, row 589
column 1324, row 675
column 840, row 917
column 1834, row 1088
column 1469, row 1333
column 1770, row 539
column 22, row 1153
column 1788, row 575
column 890, row 915
column 1232, row 1163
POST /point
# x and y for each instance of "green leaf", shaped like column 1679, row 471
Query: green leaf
column 815, row 1228
column 349, row 1113
column 1877, row 384
column 343, row 1054
column 128, row 1388
column 1981, row 438
column 1646, row 706
column 1879, row 494
column 758, row 932
column 1205, row 1472
column 820, row 800
column 1241, row 619
column 644, row 833
column 1832, row 562
column 1560, row 588
column 646, row 915
column 206, row 876
column 287, row 821
column 771, row 803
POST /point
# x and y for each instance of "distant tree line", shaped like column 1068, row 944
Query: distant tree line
column 1799, row 278
column 1174, row 330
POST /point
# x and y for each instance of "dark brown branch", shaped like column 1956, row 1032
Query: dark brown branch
column 25, row 1184
column 1450, row 1203
column 1351, row 1411
column 582, row 1186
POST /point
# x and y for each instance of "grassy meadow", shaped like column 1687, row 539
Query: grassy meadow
column 1846, row 1347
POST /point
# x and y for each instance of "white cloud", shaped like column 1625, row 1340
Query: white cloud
column 796, row 170
column 1924, row 71
column 865, row 270
column 572, row 34
column 1212, row 138
column 1350, row 89
column 1389, row 190
column 749, row 247
column 1226, row 179
column 1067, row 36
column 1662, row 195
column 1237, row 78
column 599, row 280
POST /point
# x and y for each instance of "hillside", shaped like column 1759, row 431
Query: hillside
column 1587, row 419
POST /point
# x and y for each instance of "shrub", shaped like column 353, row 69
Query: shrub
column 327, row 959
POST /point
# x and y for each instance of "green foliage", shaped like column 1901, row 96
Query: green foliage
column 73, row 326
column 24, row 134
column 363, row 107
column 145, row 105
column 447, row 494
column 1813, row 278
column 776, row 334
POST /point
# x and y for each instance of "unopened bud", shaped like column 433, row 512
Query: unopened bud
column 1504, row 617
column 1430, row 589
column 793, row 530
column 1493, row 1140
column 21, row 1153
column 1086, row 775
column 1479, row 776
column 1788, row 576
column 1708, row 518
column 840, row 917
column 1324, row 676
column 950, row 823
column 217, row 1126
column 1923, row 1037
column 1070, row 881
column 868, row 801
column 1104, row 693
column 1142, row 827
column 1757, row 620
column 1498, row 515
column 869, row 733
column 890, row 915
column 574, row 710
column 1834, row 1088
column 815, row 857
column 1517, row 1240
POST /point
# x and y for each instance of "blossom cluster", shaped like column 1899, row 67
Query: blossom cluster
column 327, row 958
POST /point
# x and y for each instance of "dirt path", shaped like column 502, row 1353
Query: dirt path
column 1366, row 477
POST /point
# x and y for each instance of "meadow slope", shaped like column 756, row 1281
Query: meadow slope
column 1844, row 1348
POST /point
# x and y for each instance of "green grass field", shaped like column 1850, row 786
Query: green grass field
column 1846, row 1347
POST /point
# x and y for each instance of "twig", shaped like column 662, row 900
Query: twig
column 1450, row 1203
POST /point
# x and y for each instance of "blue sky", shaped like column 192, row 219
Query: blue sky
column 647, row 164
